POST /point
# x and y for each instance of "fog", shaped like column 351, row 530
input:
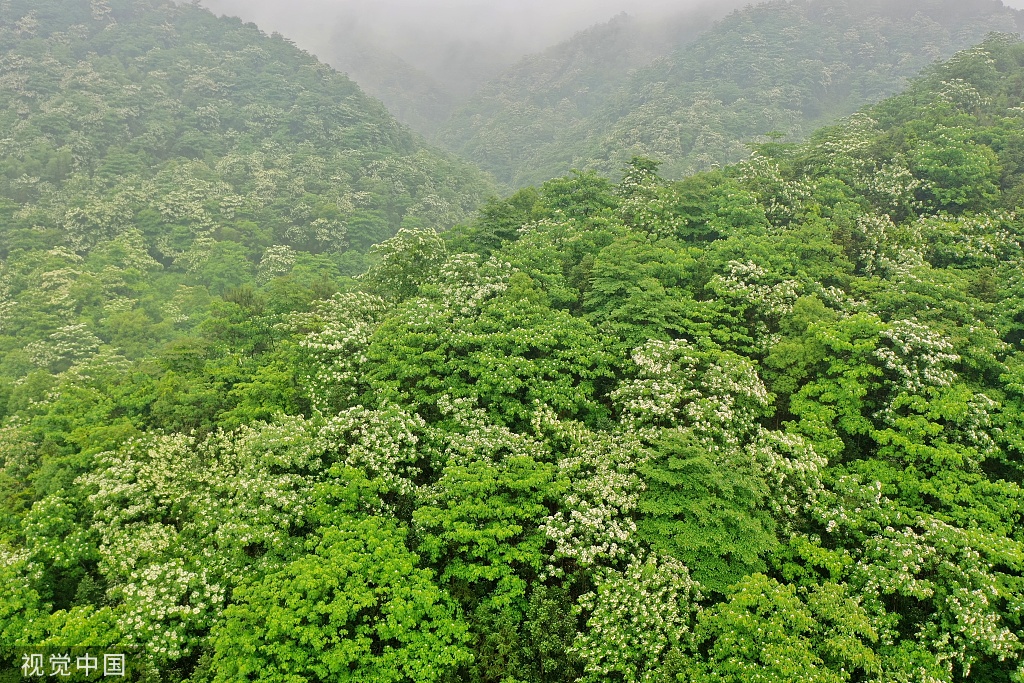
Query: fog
column 423, row 57
column 515, row 27
column 413, row 28
column 457, row 42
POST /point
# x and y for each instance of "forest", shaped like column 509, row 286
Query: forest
column 288, row 394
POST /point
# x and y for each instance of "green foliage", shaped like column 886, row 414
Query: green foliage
column 762, row 424
column 959, row 173
column 185, row 156
column 355, row 609
column 637, row 619
column 480, row 520
column 766, row 632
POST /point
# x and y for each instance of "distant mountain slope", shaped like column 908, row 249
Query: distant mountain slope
column 507, row 126
column 412, row 96
column 144, row 136
column 780, row 66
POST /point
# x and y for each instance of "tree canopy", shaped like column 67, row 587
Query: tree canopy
column 759, row 424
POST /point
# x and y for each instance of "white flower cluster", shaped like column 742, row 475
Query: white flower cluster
column 769, row 299
column 593, row 523
column 783, row 200
column 973, row 240
column 53, row 536
column 892, row 187
column 849, row 141
column 19, row 453
column 98, row 218
column 7, row 302
column 717, row 395
column 888, row 251
column 382, row 443
column 129, row 252
column 165, row 604
column 466, row 284
column 68, row 344
column 792, row 470
column 961, row 95
column 337, row 334
column 180, row 520
column 938, row 563
column 847, row 155
column 478, row 438
column 949, row 569
column 652, row 210
column 173, row 309
column 276, row 261
column 406, row 261
column 180, row 195
column 635, row 618
column 975, row 427
column 54, row 288
column 917, row 357
column 666, row 377
column 716, row 399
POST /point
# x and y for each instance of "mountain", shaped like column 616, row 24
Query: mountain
column 784, row 67
column 761, row 423
column 153, row 155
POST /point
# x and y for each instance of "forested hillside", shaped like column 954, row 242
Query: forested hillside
column 153, row 156
column 760, row 424
column 779, row 67
column 413, row 96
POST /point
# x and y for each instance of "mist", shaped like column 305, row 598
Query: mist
column 458, row 43
column 423, row 58
column 515, row 28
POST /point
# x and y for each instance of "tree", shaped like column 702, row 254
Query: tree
column 960, row 173
column 357, row 608
column 717, row 484
column 636, row 620
column 765, row 632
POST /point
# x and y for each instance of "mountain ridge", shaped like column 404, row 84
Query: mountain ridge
column 675, row 109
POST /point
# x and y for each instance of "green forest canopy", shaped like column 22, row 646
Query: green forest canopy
column 155, row 156
column 763, row 423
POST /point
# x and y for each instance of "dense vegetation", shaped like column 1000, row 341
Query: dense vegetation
column 154, row 156
column 763, row 423
column 781, row 66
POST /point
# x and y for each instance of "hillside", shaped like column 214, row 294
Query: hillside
column 763, row 423
column 783, row 67
column 153, row 156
